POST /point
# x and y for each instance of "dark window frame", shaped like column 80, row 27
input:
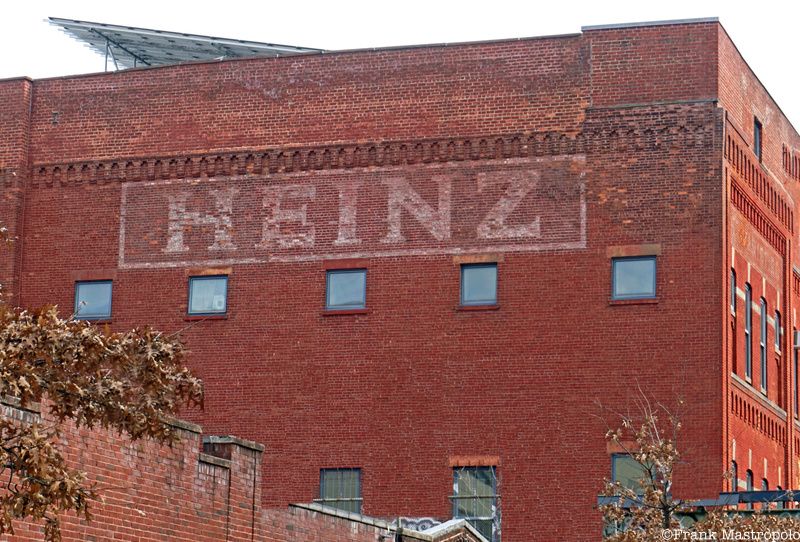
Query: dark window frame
column 758, row 138
column 486, row 265
column 104, row 316
column 733, row 291
column 615, row 261
column 358, row 501
column 778, row 330
column 199, row 278
column 350, row 306
column 734, row 477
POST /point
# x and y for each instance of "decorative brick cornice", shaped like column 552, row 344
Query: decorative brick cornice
column 388, row 153
column 746, row 165
column 760, row 414
column 757, row 218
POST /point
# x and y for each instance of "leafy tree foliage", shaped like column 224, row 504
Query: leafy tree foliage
column 130, row 382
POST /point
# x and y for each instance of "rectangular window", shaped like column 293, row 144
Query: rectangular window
column 749, row 482
column 748, row 332
column 479, row 284
column 733, row 291
column 626, row 471
column 778, row 331
column 757, row 138
column 346, row 289
column 763, row 345
column 93, row 300
column 341, row 489
column 633, row 278
column 208, row 295
column 734, row 477
column 475, row 499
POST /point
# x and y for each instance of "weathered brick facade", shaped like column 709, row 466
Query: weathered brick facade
column 549, row 156
column 154, row 493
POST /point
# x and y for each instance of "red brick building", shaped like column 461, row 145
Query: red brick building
column 410, row 273
column 155, row 493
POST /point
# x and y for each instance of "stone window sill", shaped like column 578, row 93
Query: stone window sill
column 470, row 308
column 641, row 301
column 344, row 312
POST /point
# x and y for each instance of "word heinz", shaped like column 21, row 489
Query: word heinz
column 424, row 210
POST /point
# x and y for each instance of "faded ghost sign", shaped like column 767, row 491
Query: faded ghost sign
column 514, row 205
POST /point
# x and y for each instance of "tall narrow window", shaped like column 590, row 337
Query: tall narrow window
column 340, row 488
column 748, row 332
column 796, row 394
column 475, row 499
column 749, row 482
column 734, row 476
column 763, row 345
column 733, row 291
column 757, row 139
column 778, row 331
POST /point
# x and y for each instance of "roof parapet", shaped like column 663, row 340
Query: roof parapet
column 614, row 26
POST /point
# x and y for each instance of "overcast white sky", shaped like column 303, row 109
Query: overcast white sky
column 764, row 30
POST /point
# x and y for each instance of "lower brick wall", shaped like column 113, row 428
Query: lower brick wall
column 154, row 493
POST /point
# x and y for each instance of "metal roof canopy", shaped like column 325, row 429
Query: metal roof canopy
column 130, row 47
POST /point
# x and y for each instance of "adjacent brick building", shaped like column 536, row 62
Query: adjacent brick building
column 649, row 153
column 155, row 493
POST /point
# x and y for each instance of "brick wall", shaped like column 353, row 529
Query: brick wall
column 657, row 63
column 548, row 156
column 15, row 109
column 156, row 493
column 761, row 248
column 159, row 493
